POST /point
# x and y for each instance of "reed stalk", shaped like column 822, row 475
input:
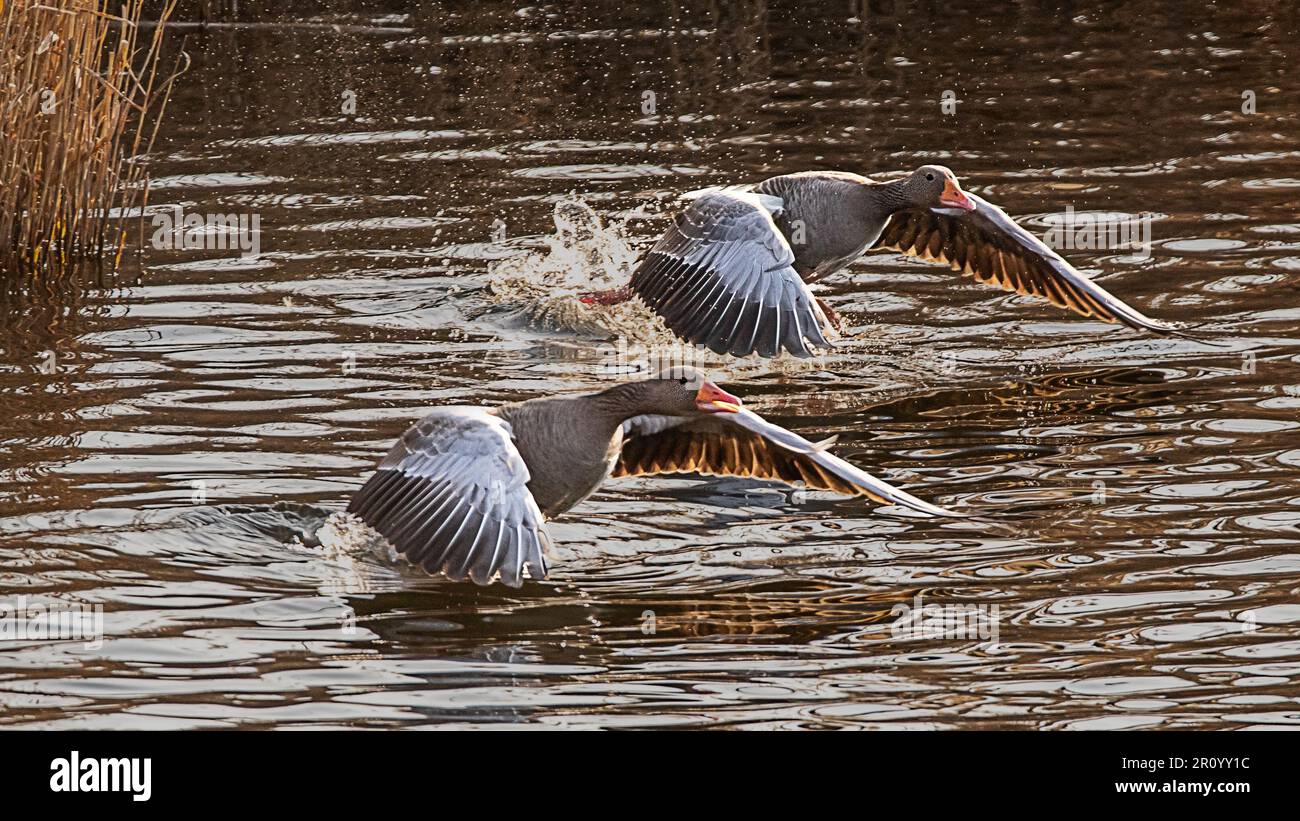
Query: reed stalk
column 80, row 99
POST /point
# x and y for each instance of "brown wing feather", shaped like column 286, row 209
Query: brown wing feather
column 742, row 443
column 724, row 451
column 989, row 246
column 987, row 258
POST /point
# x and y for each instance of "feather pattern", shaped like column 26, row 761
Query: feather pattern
column 746, row 444
column 988, row 245
column 722, row 276
column 452, row 497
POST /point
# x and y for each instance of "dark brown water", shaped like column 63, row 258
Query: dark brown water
column 1146, row 573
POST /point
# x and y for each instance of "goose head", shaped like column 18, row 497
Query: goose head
column 936, row 187
column 685, row 391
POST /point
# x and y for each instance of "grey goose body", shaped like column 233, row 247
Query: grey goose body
column 731, row 272
column 466, row 491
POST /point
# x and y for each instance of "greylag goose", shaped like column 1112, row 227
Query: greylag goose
column 466, row 491
column 732, row 272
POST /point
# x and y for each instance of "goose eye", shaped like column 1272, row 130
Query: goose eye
column 930, row 177
column 682, row 380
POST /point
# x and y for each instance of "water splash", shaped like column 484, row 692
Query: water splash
column 344, row 537
column 543, row 289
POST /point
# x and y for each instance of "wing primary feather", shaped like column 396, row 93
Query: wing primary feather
column 734, row 288
column 987, row 244
column 450, row 495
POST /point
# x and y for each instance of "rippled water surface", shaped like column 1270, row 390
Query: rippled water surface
column 197, row 420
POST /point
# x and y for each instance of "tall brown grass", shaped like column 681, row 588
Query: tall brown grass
column 80, row 98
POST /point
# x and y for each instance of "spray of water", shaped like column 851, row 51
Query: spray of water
column 543, row 289
column 344, row 536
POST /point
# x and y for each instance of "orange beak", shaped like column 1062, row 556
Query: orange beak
column 954, row 197
column 712, row 399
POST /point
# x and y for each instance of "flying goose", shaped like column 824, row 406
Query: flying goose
column 466, row 491
column 732, row 272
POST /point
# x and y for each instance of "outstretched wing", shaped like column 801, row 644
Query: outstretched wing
column 987, row 244
column 722, row 276
column 746, row 444
column 452, row 496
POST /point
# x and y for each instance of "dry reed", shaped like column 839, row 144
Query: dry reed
column 80, row 98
